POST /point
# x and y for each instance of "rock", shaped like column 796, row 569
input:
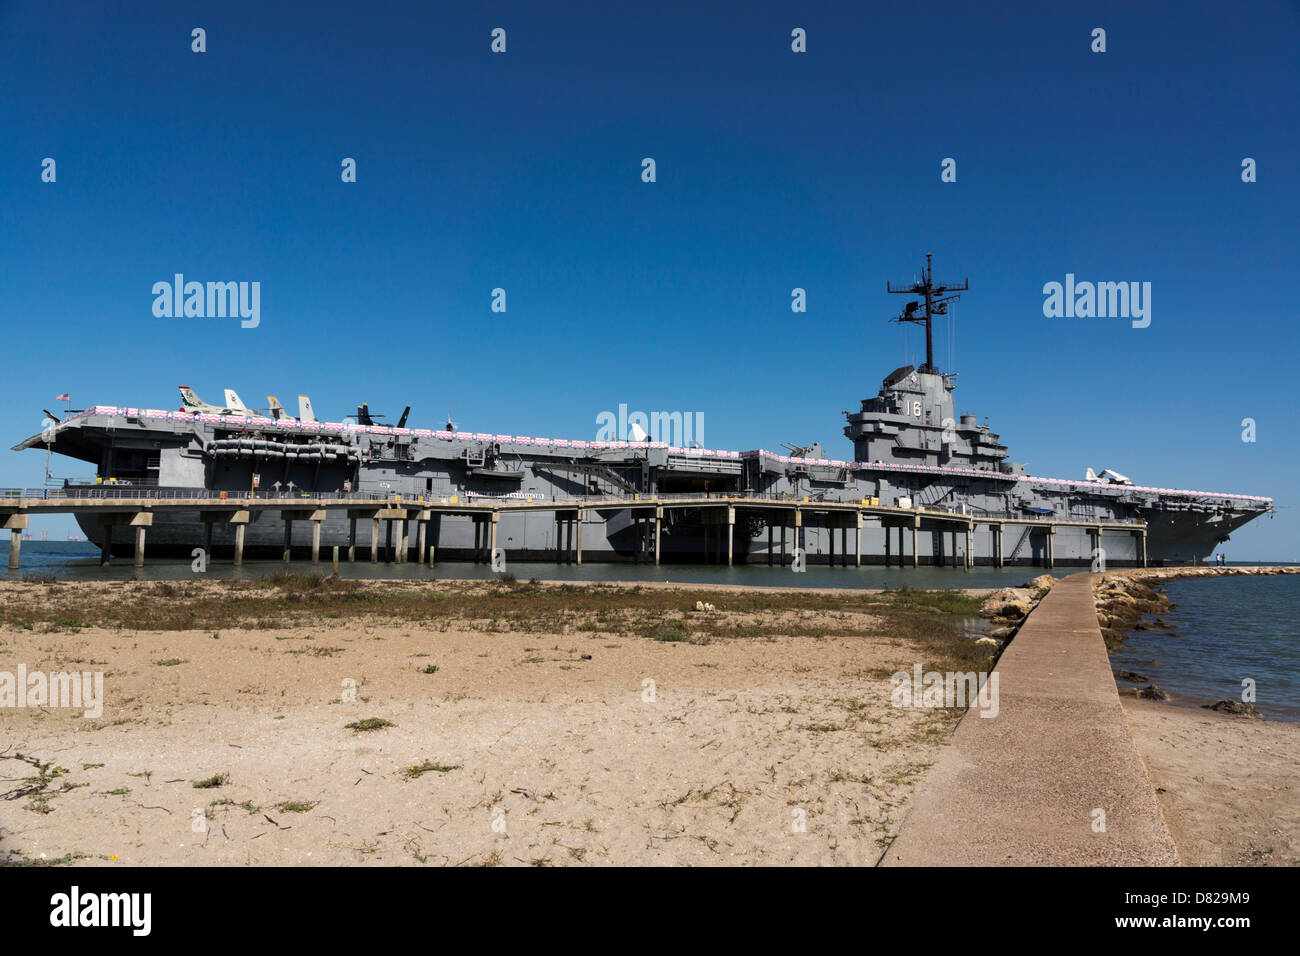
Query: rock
column 1131, row 677
column 1122, row 615
column 988, row 640
column 1007, row 603
column 1152, row 692
column 1236, row 708
column 1015, row 611
column 1043, row 582
column 1113, row 638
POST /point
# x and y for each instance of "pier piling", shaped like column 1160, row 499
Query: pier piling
column 16, row 523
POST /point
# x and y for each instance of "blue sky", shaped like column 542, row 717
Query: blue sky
column 775, row 170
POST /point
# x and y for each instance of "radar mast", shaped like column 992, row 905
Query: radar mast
column 937, row 297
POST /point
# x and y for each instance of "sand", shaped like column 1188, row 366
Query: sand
column 752, row 751
column 1227, row 785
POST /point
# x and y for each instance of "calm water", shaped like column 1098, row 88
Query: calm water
column 1225, row 629
column 79, row 561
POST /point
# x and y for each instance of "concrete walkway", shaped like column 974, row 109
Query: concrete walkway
column 1023, row 787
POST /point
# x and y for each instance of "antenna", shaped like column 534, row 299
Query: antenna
column 937, row 297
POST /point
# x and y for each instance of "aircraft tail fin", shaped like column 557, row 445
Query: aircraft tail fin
column 233, row 403
column 304, row 409
column 277, row 410
column 190, row 398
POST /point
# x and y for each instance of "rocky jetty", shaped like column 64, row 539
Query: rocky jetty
column 1124, row 598
column 1007, row 608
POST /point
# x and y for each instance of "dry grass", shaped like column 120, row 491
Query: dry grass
column 931, row 619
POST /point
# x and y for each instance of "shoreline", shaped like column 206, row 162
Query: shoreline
column 1225, row 781
column 1226, row 786
column 770, row 700
column 1126, row 598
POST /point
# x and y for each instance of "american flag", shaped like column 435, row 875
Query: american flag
column 65, row 397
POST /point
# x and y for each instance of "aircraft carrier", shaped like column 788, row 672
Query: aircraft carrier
column 911, row 450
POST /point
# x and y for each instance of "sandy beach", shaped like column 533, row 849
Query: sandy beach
column 525, row 724
column 663, row 735
column 1227, row 785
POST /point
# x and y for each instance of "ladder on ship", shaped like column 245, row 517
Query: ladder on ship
column 1024, row 536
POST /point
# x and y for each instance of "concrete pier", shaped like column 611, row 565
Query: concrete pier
column 1054, row 778
column 139, row 546
column 635, row 513
column 17, row 524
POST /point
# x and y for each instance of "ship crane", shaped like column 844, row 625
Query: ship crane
column 937, row 297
